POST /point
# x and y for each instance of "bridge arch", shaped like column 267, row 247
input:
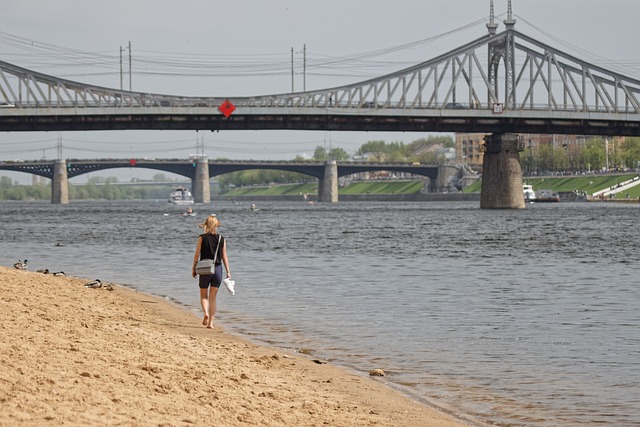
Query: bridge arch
column 189, row 169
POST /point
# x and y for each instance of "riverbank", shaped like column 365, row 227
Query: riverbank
column 78, row 356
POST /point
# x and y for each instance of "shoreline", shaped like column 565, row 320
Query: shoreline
column 128, row 358
column 411, row 197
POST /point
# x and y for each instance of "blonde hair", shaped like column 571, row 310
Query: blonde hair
column 210, row 224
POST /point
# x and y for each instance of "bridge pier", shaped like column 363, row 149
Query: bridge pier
column 60, row 183
column 502, row 173
column 443, row 180
column 328, row 185
column 200, row 186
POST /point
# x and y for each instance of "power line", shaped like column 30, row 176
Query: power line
column 148, row 62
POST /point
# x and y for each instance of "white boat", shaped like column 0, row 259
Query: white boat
column 181, row 196
column 529, row 194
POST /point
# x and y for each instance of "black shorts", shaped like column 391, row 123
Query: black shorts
column 213, row 280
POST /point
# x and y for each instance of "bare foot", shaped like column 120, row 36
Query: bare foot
column 209, row 326
column 205, row 320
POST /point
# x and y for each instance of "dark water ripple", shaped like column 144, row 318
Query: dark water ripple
column 519, row 318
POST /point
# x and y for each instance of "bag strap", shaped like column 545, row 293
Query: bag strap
column 217, row 247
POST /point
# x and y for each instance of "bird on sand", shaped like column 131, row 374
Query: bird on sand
column 94, row 284
column 20, row 265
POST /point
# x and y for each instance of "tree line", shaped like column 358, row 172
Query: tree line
column 90, row 191
column 421, row 150
column 596, row 155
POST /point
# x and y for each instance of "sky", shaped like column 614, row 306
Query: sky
column 243, row 47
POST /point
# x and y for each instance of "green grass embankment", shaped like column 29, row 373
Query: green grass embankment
column 588, row 183
column 274, row 190
column 391, row 187
column 378, row 187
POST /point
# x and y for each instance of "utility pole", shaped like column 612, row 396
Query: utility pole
column 120, row 67
column 304, row 68
column 292, row 70
column 130, row 67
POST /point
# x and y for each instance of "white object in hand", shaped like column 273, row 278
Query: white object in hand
column 230, row 285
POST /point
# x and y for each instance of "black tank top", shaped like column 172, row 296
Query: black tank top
column 209, row 244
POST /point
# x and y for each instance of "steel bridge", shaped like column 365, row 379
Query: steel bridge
column 187, row 168
column 504, row 82
column 201, row 170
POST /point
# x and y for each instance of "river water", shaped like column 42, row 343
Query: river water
column 514, row 318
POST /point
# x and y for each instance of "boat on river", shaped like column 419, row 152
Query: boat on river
column 181, row 196
column 540, row 196
column 529, row 194
column 547, row 196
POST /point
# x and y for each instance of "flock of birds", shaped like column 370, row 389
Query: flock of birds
column 94, row 284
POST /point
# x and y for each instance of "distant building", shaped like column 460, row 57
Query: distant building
column 469, row 148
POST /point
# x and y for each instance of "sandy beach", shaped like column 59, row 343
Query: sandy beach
column 76, row 356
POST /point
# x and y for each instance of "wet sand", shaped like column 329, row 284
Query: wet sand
column 75, row 356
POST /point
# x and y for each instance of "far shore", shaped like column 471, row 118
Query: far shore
column 77, row 356
column 409, row 197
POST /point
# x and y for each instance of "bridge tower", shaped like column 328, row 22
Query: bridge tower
column 492, row 26
column 60, row 183
column 501, row 168
column 502, row 173
column 328, row 185
column 200, row 186
column 503, row 49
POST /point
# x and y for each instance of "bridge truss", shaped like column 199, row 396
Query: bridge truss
column 504, row 82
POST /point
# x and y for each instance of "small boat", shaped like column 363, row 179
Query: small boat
column 181, row 196
column 529, row 194
column 547, row 196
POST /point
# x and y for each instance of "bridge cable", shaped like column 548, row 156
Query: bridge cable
column 597, row 59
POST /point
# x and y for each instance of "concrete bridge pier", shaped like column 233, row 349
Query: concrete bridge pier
column 60, row 183
column 200, row 186
column 445, row 174
column 328, row 185
column 502, row 173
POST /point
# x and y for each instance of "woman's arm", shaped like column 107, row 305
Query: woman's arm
column 196, row 257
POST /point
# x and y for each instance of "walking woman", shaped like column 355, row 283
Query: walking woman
column 211, row 245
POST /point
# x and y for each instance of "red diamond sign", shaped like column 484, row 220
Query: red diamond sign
column 132, row 162
column 227, row 108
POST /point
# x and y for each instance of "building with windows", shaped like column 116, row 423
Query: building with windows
column 469, row 147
